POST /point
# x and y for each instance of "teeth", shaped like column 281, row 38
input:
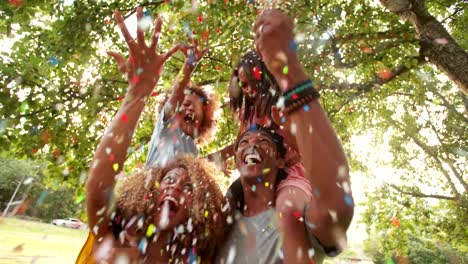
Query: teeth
column 172, row 199
column 252, row 158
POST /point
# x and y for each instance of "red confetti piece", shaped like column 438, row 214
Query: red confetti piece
column 200, row 18
column 120, row 98
column 135, row 79
column 16, row 3
column 218, row 68
column 366, row 50
column 111, row 157
column 132, row 60
column 385, row 74
column 154, row 93
column 395, row 222
column 218, row 30
column 57, row 153
column 124, row 118
column 257, row 73
column 297, row 214
column 295, row 96
column 145, row 198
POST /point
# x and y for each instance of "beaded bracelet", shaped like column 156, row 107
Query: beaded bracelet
column 299, row 96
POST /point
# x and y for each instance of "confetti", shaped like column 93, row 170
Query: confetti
column 24, row 107
column 283, row 119
column 116, row 166
column 441, row 41
column 53, row 61
column 306, row 108
column 285, row 70
column 395, row 222
column 135, row 80
column 265, row 171
column 204, row 35
column 257, row 73
column 206, row 214
column 151, row 230
column 385, row 74
column 297, row 214
column 124, row 118
column 267, row 184
column 254, row 188
column 200, row 18
column 3, row 125
column 16, row 3
column 145, row 23
column 79, row 199
column 348, row 200
column 293, row 45
column 259, row 179
column 142, row 246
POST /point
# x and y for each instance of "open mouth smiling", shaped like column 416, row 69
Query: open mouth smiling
column 189, row 118
column 172, row 203
column 252, row 158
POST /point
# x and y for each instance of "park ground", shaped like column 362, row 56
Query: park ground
column 23, row 241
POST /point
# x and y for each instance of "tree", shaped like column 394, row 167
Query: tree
column 436, row 43
column 59, row 90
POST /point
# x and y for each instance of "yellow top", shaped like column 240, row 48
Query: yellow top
column 86, row 253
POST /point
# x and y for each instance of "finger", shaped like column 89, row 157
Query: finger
column 171, row 52
column 156, row 33
column 140, row 34
column 128, row 38
column 275, row 115
column 119, row 59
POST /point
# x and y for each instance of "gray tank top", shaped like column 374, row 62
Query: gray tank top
column 255, row 240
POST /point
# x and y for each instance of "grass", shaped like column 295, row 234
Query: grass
column 24, row 241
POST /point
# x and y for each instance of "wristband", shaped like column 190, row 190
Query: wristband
column 299, row 96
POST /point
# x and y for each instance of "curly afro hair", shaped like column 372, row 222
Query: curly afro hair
column 137, row 193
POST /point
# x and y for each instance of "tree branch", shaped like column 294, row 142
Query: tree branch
column 422, row 195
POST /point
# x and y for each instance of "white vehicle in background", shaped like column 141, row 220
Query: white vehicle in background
column 69, row 222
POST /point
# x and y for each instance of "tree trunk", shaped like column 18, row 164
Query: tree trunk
column 436, row 43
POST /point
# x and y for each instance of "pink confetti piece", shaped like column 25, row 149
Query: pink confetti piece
column 441, row 41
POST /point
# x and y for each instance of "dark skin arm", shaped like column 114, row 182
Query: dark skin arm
column 111, row 152
column 192, row 56
column 322, row 154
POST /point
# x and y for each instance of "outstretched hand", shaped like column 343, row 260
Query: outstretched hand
column 193, row 54
column 144, row 65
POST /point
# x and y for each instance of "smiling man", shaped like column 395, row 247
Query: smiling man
column 309, row 229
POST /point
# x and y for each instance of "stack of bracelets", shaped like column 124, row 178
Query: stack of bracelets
column 298, row 96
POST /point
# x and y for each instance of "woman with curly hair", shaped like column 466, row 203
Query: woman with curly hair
column 164, row 214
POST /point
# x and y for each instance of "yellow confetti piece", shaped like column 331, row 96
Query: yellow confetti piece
column 151, row 229
column 156, row 184
column 206, row 213
column 116, row 166
column 266, row 171
column 267, row 184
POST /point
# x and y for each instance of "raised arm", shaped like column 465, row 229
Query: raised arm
column 142, row 69
column 326, row 166
column 193, row 55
